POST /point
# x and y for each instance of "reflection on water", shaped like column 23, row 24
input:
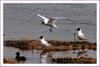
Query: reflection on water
column 46, row 57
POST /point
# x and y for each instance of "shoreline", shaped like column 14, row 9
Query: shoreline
column 81, row 60
column 56, row 45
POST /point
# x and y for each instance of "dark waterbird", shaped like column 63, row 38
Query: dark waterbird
column 20, row 58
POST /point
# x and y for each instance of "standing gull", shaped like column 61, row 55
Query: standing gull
column 49, row 22
column 81, row 36
column 44, row 42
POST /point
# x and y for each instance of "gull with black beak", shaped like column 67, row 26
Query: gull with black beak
column 49, row 21
column 80, row 34
column 44, row 42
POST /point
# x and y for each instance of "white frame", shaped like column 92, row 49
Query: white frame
column 1, row 57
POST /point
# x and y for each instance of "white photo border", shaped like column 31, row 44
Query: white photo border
column 57, row 2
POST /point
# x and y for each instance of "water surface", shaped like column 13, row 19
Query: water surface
column 21, row 21
column 37, row 56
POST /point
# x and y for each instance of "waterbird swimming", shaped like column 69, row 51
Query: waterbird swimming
column 20, row 58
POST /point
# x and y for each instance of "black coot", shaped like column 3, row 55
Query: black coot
column 20, row 58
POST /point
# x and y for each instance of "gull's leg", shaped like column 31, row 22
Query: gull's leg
column 78, row 39
column 51, row 28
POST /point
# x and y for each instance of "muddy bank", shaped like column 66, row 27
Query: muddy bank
column 56, row 45
column 9, row 61
column 80, row 60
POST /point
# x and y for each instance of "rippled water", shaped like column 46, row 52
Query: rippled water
column 21, row 22
column 39, row 57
